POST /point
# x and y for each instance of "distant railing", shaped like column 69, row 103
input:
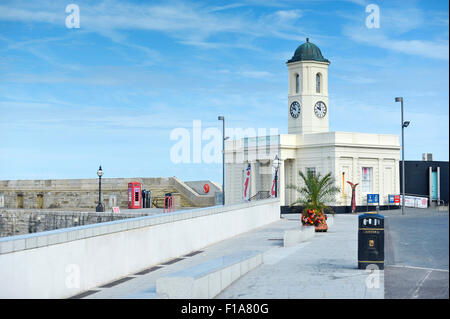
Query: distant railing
column 260, row 195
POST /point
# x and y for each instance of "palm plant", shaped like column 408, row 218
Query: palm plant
column 316, row 192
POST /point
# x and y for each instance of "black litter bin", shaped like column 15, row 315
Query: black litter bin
column 148, row 199
column 144, row 198
column 371, row 240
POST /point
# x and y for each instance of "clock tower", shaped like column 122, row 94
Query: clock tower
column 308, row 109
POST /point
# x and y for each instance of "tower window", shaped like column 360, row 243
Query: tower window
column 318, row 78
column 297, row 83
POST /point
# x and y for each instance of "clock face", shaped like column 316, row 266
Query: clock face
column 320, row 109
column 295, row 109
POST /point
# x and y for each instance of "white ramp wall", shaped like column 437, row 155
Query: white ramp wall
column 65, row 262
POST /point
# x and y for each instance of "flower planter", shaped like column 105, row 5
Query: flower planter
column 322, row 227
column 318, row 220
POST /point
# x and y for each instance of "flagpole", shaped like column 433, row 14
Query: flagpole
column 222, row 118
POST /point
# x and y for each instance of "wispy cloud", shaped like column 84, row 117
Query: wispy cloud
column 226, row 7
column 191, row 23
column 437, row 49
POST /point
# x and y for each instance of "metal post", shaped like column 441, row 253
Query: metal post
column 99, row 207
column 99, row 190
column 276, row 183
column 221, row 118
column 404, row 124
column 403, row 161
column 223, row 161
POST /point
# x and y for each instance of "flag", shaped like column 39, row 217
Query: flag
column 247, row 184
column 274, row 182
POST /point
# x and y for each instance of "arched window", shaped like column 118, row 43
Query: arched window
column 318, row 79
column 297, row 83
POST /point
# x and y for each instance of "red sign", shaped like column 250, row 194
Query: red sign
column 116, row 210
column 397, row 199
column 206, row 188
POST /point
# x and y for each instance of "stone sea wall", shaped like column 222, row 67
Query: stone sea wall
column 82, row 194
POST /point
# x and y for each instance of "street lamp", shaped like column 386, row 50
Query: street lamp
column 404, row 124
column 221, row 118
column 276, row 164
column 100, row 207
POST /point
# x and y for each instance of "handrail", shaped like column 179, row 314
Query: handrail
column 168, row 204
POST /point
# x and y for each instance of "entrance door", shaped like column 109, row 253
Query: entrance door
column 20, row 201
column 40, row 201
column 289, row 179
column 433, row 185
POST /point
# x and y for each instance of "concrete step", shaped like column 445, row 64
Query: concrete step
column 298, row 235
column 208, row 279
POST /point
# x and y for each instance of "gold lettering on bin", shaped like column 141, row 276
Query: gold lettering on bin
column 371, row 232
column 371, row 243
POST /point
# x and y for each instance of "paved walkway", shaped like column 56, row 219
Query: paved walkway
column 323, row 267
column 417, row 252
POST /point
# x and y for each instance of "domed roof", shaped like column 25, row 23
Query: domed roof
column 308, row 52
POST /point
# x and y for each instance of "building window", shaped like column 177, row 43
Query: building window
column 297, row 83
column 311, row 170
column 318, row 80
column 366, row 180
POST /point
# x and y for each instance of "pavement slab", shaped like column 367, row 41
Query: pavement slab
column 417, row 254
column 323, row 267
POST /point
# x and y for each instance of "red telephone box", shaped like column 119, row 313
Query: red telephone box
column 134, row 195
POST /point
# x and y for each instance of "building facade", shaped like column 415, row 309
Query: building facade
column 427, row 178
column 371, row 160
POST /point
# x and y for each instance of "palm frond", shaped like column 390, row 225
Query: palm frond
column 316, row 191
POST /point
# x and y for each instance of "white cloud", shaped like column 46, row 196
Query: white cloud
column 286, row 15
column 437, row 49
column 256, row 74
column 190, row 23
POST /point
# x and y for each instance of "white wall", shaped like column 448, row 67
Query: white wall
column 63, row 263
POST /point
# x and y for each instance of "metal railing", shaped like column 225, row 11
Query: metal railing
column 260, row 195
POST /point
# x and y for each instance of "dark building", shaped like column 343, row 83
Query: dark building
column 426, row 178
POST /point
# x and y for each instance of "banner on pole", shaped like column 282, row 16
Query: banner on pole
column 247, row 184
column 274, row 183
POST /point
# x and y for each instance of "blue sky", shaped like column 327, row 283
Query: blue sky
column 111, row 91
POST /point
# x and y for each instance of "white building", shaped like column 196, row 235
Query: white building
column 372, row 160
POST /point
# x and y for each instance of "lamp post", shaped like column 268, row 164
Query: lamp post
column 221, row 118
column 404, row 124
column 100, row 207
column 276, row 164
